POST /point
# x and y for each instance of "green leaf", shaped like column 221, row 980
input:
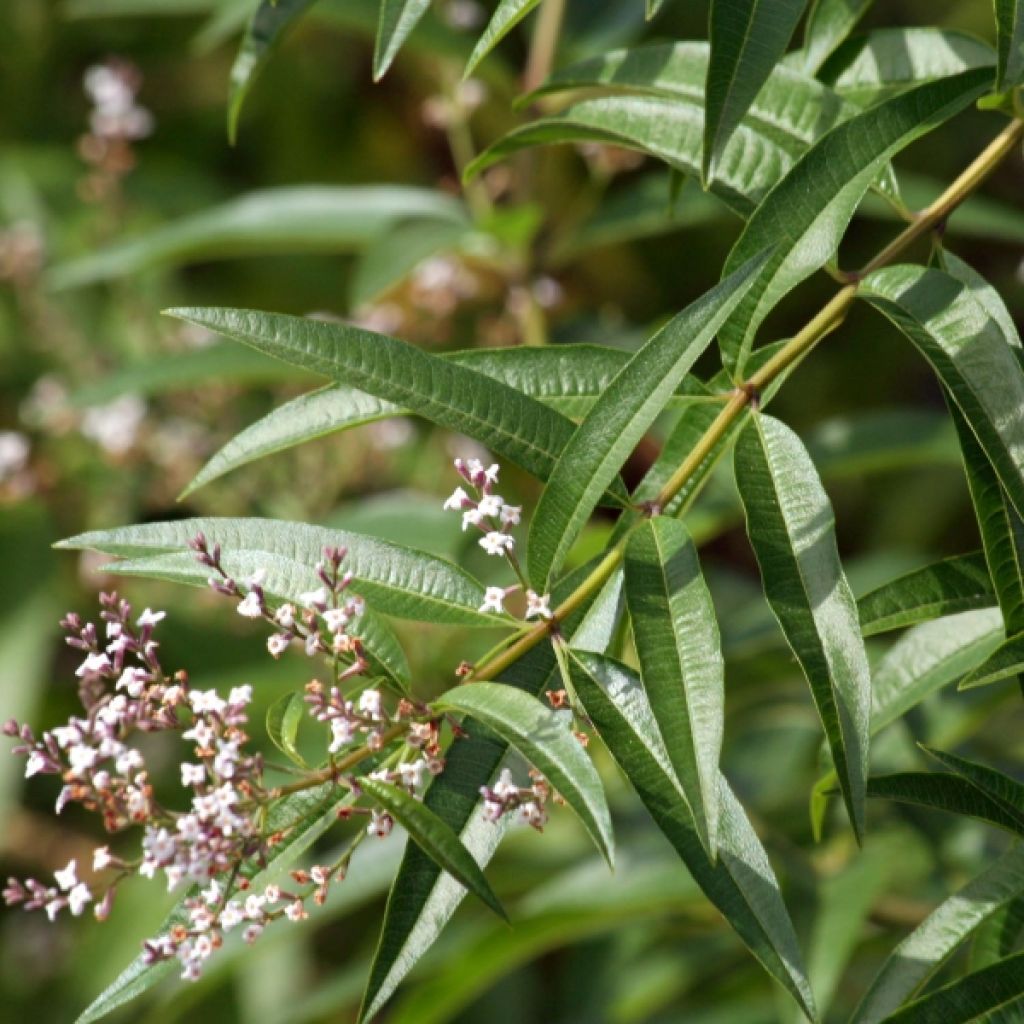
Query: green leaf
column 284, row 717
column 888, row 61
column 269, row 24
column 511, row 424
column 422, row 898
column 968, row 351
column 952, row 585
column 545, row 738
column 506, row 16
column 998, row 935
column 792, row 531
column 1009, row 43
column 985, row 293
column 828, row 25
column 393, row 579
column 993, row 784
column 621, row 416
column 434, row 837
column 929, row 657
column 805, row 215
column 653, row 7
column 397, row 19
column 1005, row 661
column 995, row 989
column 294, row 219
column 931, row 943
column 681, row 662
column 943, row 791
column 741, row 883
column 748, row 37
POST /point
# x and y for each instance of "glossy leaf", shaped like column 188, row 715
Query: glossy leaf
column 270, row 22
column 985, row 293
column 506, row 16
column 545, row 738
column 952, row 585
column 397, row 19
column 993, row 784
column 284, row 717
column 1005, row 661
column 792, row 531
column 828, row 25
column 434, row 837
column 511, row 424
column 968, row 351
column 1009, row 43
column 293, row 219
column 806, row 214
column 741, row 882
column 748, row 38
column 618, row 420
column 931, row 943
column 680, row 654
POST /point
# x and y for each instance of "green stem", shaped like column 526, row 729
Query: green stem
column 544, row 44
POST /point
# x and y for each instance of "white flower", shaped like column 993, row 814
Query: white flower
column 14, row 449
column 295, row 911
column 206, row 701
column 101, row 858
column 380, row 825
column 370, row 703
column 537, row 605
column 511, row 514
column 93, row 665
column 312, row 644
column 81, row 758
column 128, row 762
column 192, row 774
column 257, row 579
column 252, row 933
column 150, row 618
column 491, row 505
column 413, row 773
column 494, row 600
column 458, row 500
column 202, row 733
column 278, row 644
column 342, row 733
column 315, row 599
column 66, row 735
column 491, row 473
column 254, row 907
column 133, row 680
column 251, row 607
column 533, row 814
column 505, row 787
column 68, row 877
column 495, row 543
column 240, row 694
column 232, row 915
column 337, row 619
column 471, row 517
column 272, row 894
column 36, row 763
column 285, row 616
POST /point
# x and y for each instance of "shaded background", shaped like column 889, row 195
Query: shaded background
column 120, row 407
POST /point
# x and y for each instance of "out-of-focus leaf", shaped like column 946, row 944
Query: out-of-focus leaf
column 434, row 837
column 1005, row 661
column 952, row 585
column 998, row 935
column 681, row 662
column 270, row 23
column 792, row 531
column 927, row 947
column 292, row 219
column 620, row 417
column 968, row 351
column 828, row 25
column 741, row 882
column 397, row 19
column 748, row 37
column 545, row 738
column 806, row 214
column 506, row 16
column 993, row 784
column 284, row 717
column 128, row 8
column 1009, row 44
column 875, row 66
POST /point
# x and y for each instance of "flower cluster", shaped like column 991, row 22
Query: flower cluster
column 505, row 797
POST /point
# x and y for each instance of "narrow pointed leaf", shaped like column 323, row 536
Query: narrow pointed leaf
column 792, row 530
column 999, row 935
column 969, row 352
column 508, row 422
column 619, row 419
column 748, row 38
column 741, row 883
column 1004, row 662
column 681, row 662
column 434, row 837
column 828, row 25
column 931, row 943
column 1009, row 43
column 270, row 22
column 805, row 215
column 653, row 7
column 1007, row 792
column 506, row 16
column 283, row 719
column 397, row 19
column 952, row 585
column 985, row 293
column 545, row 738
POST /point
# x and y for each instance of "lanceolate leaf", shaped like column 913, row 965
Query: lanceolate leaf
column 1007, row 792
column 828, row 24
column 928, row 946
column 396, row 580
column 1006, row 661
column 806, row 214
column 397, row 19
column 423, row 898
column 508, row 422
column 956, row 584
column 506, row 16
column 791, row 528
column 748, row 37
column 680, row 655
column 620, row 417
column 545, row 738
column 741, row 883
column 985, row 293
column 283, row 719
column 968, row 351
column 993, row 990
column 271, row 20
column 1009, row 43
column 434, row 837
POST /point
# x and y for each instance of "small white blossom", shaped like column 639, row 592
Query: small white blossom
column 285, row 616
column 471, row 517
column 505, row 787
column 458, row 500
column 511, row 515
column 337, row 619
column 495, row 543
column 14, row 449
column 232, row 915
column 150, row 618
column 36, row 763
column 413, row 773
column 133, row 681
column 342, row 733
column 251, row 607
column 257, row 579
column 114, row 426
column 93, row 665
column 81, row 758
column 240, row 694
column 315, row 599
column 491, row 505
column 380, row 824
column 101, row 858
column 206, row 701
column 67, row 878
column 192, row 774
column 252, row 933
column 537, row 605
column 278, row 644
column 494, row 600
column 370, row 703
column 295, row 911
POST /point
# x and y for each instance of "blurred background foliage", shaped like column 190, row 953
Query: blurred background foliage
column 108, row 410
